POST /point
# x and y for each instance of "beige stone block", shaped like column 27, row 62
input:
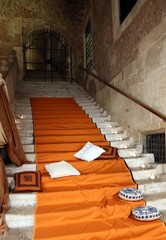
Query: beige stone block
column 155, row 57
column 133, row 77
column 153, row 37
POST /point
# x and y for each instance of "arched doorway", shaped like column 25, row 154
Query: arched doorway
column 46, row 57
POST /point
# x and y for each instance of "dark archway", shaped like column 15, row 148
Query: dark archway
column 46, row 57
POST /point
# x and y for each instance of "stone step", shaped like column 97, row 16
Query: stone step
column 52, row 92
column 11, row 183
column 20, row 108
column 127, row 152
column 25, row 118
column 152, row 186
column 82, row 103
column 24, row 122
column 18, row 217
column 23, row 112
column 21, row 126
column 123, row 144
column 109, row 137
column 28, row 148
column 11, row 168
column 46, row 84
column 21, row 102
column 146, row 173
column 53, row 89
column 94, row 111
column 18, row 234
column 116, row 137
column 111, row 130
column 22, row 199
column 45, row 94
column 59, row 90
column 26, row 112
column 22, row 117
column 31, row 156
column 137, row 162
column 97, row 115
column 88, row 104
column 94, row 115
column 25, row 133
column 107, row 125
column 86, row 108
column 112, row 134
column 46, row 88
column 28, row 124
column 163, row 215
column 157, row 200
column 81, row 100
column 27, row 140
column 101, row 119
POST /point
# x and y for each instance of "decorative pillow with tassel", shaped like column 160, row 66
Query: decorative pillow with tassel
column 27, row 181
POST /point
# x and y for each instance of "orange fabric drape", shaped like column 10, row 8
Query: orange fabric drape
column 4, row 195
column 86, row 206
column 13, row 146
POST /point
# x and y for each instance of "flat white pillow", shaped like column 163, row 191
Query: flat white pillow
column 61, row 169
column 89, row 152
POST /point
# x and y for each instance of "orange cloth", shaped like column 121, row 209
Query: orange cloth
column 14, row 147
column 4, row 196
column 85, row 207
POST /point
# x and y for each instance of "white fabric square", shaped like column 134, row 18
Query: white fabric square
column 61, row 169
column 89, row 152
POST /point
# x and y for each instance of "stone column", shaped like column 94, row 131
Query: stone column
column 12, row 56
column 19, row 53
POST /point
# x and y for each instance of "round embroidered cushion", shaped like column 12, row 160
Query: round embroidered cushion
column 146, row 213
column 130, row 194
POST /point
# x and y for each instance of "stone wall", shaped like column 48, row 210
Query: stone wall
column 133, row 59
column 18, row 18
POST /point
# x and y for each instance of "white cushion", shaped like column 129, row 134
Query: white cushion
column 89, row 152
column 61, row 169
column 147, row 213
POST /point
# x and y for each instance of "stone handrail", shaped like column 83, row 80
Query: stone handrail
column 132, row 98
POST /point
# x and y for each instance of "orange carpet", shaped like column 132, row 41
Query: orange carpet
column 85, row 207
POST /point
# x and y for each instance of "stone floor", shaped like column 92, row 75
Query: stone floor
column 18, row 234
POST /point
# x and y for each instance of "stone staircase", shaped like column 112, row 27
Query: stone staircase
column 148, row 175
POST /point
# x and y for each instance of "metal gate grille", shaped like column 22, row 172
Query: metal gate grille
column 45, row 56
column 155, row 143
column 88, row 45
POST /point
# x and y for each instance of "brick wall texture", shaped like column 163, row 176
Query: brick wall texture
column 109, row 56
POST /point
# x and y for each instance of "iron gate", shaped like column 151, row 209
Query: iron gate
column 45, row 56
column 156, row 144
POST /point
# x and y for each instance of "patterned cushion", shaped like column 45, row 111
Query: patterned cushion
column 27, row 181
column 130, row 194
column 110, row 153
column 146, row 213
